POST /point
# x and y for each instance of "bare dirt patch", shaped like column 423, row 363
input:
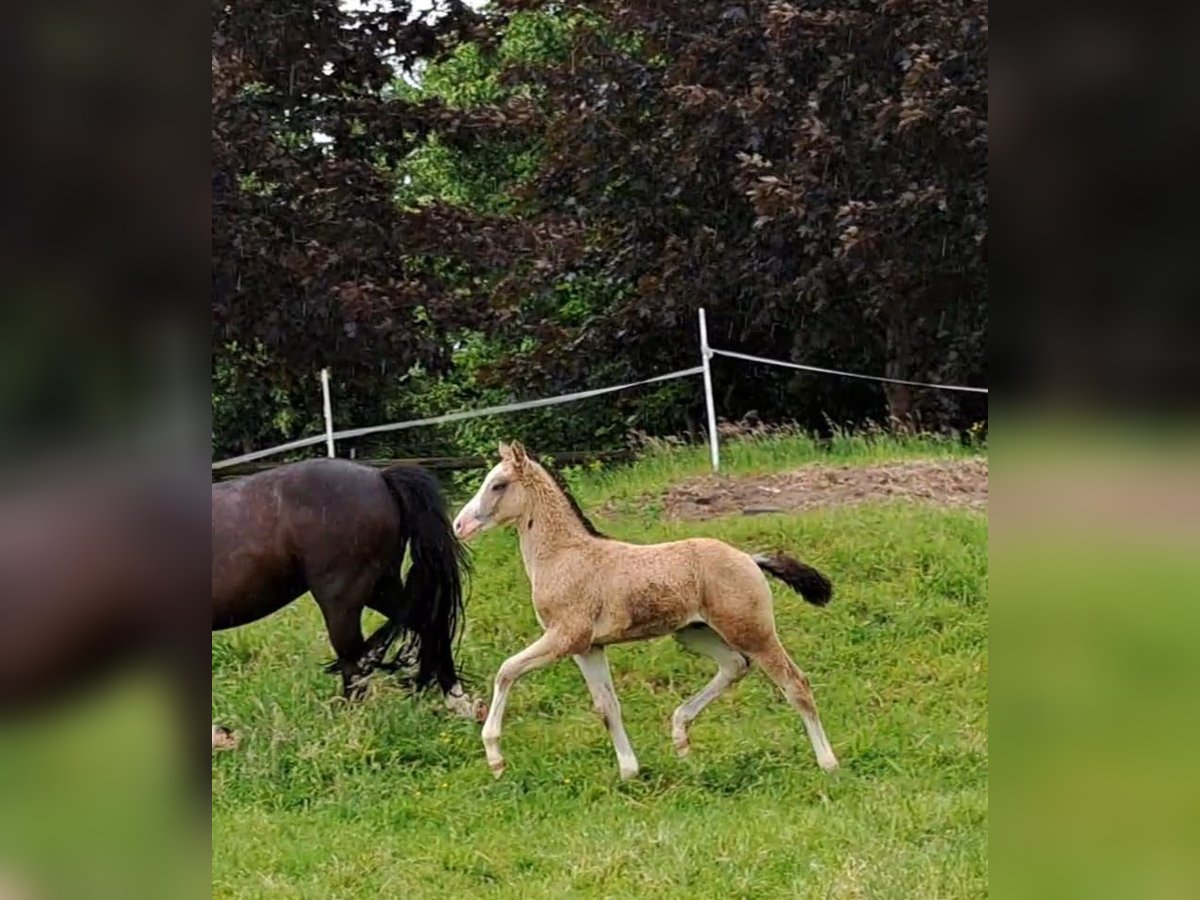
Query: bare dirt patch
column 950, row 483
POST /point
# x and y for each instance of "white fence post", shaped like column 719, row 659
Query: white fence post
column 328, row 412
column 705, row 357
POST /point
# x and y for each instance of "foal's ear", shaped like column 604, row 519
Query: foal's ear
column 513, row 454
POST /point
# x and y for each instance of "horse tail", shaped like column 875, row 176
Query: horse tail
column 431, row 607
column 800, row 577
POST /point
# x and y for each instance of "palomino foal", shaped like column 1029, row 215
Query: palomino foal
column 590, row 591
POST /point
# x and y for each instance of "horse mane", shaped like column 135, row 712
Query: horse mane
column 561, row 484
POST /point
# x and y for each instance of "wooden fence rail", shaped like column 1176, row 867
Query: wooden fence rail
column 444, row 463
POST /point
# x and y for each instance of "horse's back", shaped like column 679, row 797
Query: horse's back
column 686, row 559
column 277, row 532
column 335, row 509
column 650, row 589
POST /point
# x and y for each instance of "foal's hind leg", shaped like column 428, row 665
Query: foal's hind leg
column 785, row 673
column 732, row 668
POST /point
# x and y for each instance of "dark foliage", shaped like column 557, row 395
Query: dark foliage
column 312, row 258
column 815, row 174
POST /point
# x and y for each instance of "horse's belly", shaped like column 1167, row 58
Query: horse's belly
column 655, row 618
column 241, row 595
column 624, row 636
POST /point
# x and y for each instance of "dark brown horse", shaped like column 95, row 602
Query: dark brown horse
column 340, row 530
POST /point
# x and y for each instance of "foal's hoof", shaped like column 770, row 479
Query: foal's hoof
column 828, row 763
column 683, row 748
column 497, row 767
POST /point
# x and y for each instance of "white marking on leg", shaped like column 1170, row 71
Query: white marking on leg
column 787, row 675
column 816, row 734
column 594, row 666
column 545, row 650
column 463, row 704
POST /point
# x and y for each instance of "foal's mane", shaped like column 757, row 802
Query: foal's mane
column 561, row 484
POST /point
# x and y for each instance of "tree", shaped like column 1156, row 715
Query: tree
column 314, row 262
column 814, row 174
column 538, row 197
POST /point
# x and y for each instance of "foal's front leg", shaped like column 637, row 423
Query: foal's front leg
column 594, row 666
column 549, row 647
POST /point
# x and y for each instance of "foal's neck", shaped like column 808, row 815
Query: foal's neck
column 550, row 525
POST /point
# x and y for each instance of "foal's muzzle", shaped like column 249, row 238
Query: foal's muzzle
column 467, row 524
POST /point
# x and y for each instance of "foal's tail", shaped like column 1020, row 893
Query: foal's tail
column 431, row 603
column 804, row 579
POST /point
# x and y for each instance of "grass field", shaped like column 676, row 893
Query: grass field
column 392, row 798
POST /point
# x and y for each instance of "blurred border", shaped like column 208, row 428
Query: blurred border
column 104, row 362
column 1094, row 517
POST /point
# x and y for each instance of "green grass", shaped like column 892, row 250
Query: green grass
column 392, row 797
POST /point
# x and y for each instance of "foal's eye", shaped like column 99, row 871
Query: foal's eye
column 499, row 486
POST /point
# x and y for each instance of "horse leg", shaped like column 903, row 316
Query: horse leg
column 732, row 667
column 787, row 675
column 343, row 621
column 550, row 647
column 458, row 700
column 463, row 704
column 384, row 599
column 594, row 666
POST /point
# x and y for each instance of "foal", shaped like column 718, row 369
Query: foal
column 590, row 591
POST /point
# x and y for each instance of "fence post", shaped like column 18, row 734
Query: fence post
column 705, row 357
column 328, row 412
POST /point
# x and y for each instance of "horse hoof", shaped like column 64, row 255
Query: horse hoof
column 224, row 739
column 497, row 768
column 683, row 748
